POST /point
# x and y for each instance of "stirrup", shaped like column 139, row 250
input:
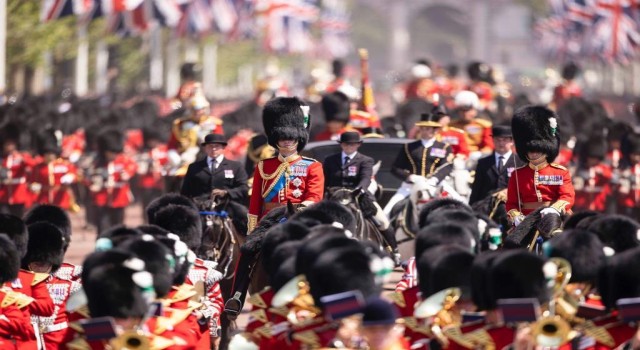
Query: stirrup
column 233, row 306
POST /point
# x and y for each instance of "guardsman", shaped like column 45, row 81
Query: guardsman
column 15, row 324
column 568, row 88
column 481, row 76
column 151, row 162
column 45, row 251
column 428, row 157
column 592, row 179
column 186, row 135
column 336, row 107
column 14, row 168
column 339, row 81
column 421, row 85
column 539, row 183
column 289, row 176
column 628, row 196
column 478, row 130
column 109, row 179
column 447, row 134
column 190, row 86
column 51, row 178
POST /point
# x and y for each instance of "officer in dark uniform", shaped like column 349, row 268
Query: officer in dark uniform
column 493, row 171
column 215, row 175
column 428, row 157
column 351, row 169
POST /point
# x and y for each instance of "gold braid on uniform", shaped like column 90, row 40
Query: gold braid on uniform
column 423, row 165
column 413, row 164
column 560, row 206
column 252, row 222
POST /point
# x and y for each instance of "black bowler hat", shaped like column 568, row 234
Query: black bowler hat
column 501, row 131
column 350, row 137
column 213, row 139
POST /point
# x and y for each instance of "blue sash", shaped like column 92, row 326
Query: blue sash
column 280, row 182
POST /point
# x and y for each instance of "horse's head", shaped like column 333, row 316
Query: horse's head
column 344, row 196
column 421, row 192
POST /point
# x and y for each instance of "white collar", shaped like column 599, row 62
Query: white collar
column 218, row 159
column 351, row 156
column 429, row 142
column 505, row 156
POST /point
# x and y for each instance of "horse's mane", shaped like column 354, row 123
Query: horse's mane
column 254, row 240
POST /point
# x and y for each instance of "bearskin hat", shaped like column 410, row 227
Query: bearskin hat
column 446, row 202
column 116, row 235
column 16, row 230
column 582, row 249
column 312, row 248
column 594, row 147
column 163, row 201
column 153, row 230
column 110, row 140
column 183, row 221
column 479, row 71
column 9, row 259
column 336, row 107
column 336, row 211
column 157, row 258
column 618, row 130
column 620, row 277
column 48, row 141
column 286, row 118
column 151, row 133
column 576, row 220
column 283, row 252
column 570, row 71
column 444, row 233
column 46, row 244
column 341, row 270
column 10, row 131
column 534, row 130
column 458, row 216
column 180, row 253
column 633, row 146
column 444, row 266
column 616, row 231
column 480, row 280
column 189, row 71
column 517, row 274
column 278, row 235
column 283, row 273
column 53, row 215
column 337, row 67
column 114, row 271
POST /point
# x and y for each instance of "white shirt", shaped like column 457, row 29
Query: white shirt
column 351, row 156
column 504, row 157
column 218, row 160
column 428, row 143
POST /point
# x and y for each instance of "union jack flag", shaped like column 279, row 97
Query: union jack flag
column 54, row 9
column 335, row 28
column 286, row 24
column 615, row 32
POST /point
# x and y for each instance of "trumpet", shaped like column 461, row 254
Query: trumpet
column 552, row 330
column 440, row 306
column 296, row 293
column 131, row 340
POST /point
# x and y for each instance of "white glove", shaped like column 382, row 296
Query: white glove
column 67, row 179
column 549, row 210
column 518, row 220
column 475, row 155
column 413, row 178
column 174, row 158
column 35, row 187
column 432, row 181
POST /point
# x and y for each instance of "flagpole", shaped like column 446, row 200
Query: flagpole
column 82, row 61
column 173, row 75
column 156, row 65
column 102, row 67
column 209, row 68
column 3, row 43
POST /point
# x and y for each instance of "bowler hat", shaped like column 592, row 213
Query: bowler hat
column 350, row 137
column 213, row 139
column 501, row 131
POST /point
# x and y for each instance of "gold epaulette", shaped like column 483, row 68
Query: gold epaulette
column 413, row 324
column 600, row 334
column 558, row 166
column 280, row 311
column 259, row 315
column 455, row 334
column 252, row 222
column 309, row 338
column 78, row 344
column 398, row 299
column 7, row 300
column 456, row 129
column 164, row 323
column 18, row 299
column 184, row 292
column 480, row 337
column 257, row 300
column 39, row 277
column 264, row 331
column 483, row 122
column 76, row 327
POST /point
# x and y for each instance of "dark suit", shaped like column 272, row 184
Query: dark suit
column 229, row 176
column 414, row 159
column 356, row 173
column 488, row 179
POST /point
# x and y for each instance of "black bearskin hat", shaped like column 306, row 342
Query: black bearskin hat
column 579, row 219
column 46, row 244
column 183, row 221
column 445, row 266
column 16, row 229
column 517, row 274
column 341, row 270
column 110, row 140
column 336, row 211
column 337, row 67
column 284, row 118
column 458, row 216
column 48, row 141
column 570, row 71
column 278, row 235
column 284, row 272
column 582, row 249
column 9, row 260
column 163, row 201
column 446, row 202
column 480, row 280
column 284, row 251
column 336, row 107
column 189, row 71
column 620, row 277
column 312, row 248
column 479, row 71
column 158, row 260
column 117, row 234
column 535, row 130
column 450, row 233
column 10, row 132
column 53, row 215
column 114, row 271
column 595, row 147
column 633, row 146
column 616, row 231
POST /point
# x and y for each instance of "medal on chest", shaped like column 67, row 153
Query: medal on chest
column 58, row 292
column 550, row 179
column 297, row 192
column 352, row 171
column 438, row 152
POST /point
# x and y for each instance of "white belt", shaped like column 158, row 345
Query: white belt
column 15, row 181
column 55, row 327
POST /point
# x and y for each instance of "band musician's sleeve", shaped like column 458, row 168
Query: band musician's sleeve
column 256, row 200
column 512, row 207
column 315, row 184
column 43, row 304
column 566, row 194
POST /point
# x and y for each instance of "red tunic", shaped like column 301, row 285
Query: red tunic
column 361, row 120
column 484, row 91
column 150, row 167
column 296, row 179
column 13, row 178
column 55, row 328
column 14, row 324
column 54, row 180
column 565, row 91
column 629, row 190
column 456, row 138
column 550, row 185
column 114, row 191
column 592, row 188
column 478, row 132
column 213, row 302
column 423, row 88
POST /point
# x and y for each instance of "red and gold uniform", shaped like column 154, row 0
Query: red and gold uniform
column 484, row 91
column 478, row 133
column 150, row 166
column 212, row 302
column 532, row 187
column 50, row 182
column 109, row 184
column 564, row 92
column 565, row 157
column 180, row 300
column 360, row 120
column 456, row 138
column 14, row 323
column 593, row 187
column 628, row 196
column 55, row 328
column 327, row 135
column 13, row 178
column 422, row 88
column 186, row 136
column 278, row 180
column 69, row 272
column 73, row 145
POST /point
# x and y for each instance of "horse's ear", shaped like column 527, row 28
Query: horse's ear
column 290, row 209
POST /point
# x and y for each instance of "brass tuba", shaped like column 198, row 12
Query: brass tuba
column 131, row 340
column 439, row 306
column 296, row 293
column 552, row 330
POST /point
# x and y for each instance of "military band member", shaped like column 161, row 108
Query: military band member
column 351, row 169
column 289, row 176
column 215, row 175
column 628, row 196
column 478, row 130
column 151, row 162
column 336, row 108
column 14, row 167
column 592, row 179
column 453, row 136
column 568, row 88
column 421, row 86
column 539, row 183
column 51, row 178
column 481, row 76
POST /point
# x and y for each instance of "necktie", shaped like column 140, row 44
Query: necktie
column 346, row 160
column 500, row 163
column 214, row 164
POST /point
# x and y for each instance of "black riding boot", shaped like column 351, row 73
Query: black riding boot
column 390, row 238
column 241, row 281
